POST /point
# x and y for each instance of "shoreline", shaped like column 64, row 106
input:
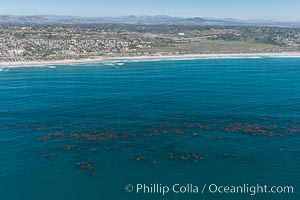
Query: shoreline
column 146, row 58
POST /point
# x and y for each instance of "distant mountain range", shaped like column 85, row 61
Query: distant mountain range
column 132, row 19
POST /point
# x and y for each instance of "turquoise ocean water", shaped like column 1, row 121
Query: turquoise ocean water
column 86, row 131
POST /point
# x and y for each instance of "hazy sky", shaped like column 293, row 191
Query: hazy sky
column 250, row 9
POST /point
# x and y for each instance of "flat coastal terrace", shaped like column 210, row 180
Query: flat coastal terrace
column 61, row 44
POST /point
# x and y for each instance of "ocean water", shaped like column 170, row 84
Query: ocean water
column 86, row 131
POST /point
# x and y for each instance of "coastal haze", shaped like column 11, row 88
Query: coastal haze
column 133, row 19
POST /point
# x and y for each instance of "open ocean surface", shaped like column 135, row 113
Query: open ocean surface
column 84, row 132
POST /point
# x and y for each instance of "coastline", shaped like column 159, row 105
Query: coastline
column 146, row 58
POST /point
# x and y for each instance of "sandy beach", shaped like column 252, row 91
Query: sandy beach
column 145, row 58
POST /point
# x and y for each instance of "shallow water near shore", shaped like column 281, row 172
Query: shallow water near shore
column 85, row 132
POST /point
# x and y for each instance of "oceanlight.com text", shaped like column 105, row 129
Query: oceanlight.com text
column 247, row 189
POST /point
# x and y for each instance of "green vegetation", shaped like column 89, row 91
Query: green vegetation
column 22, row 43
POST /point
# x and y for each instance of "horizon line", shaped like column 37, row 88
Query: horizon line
column 211, row 18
